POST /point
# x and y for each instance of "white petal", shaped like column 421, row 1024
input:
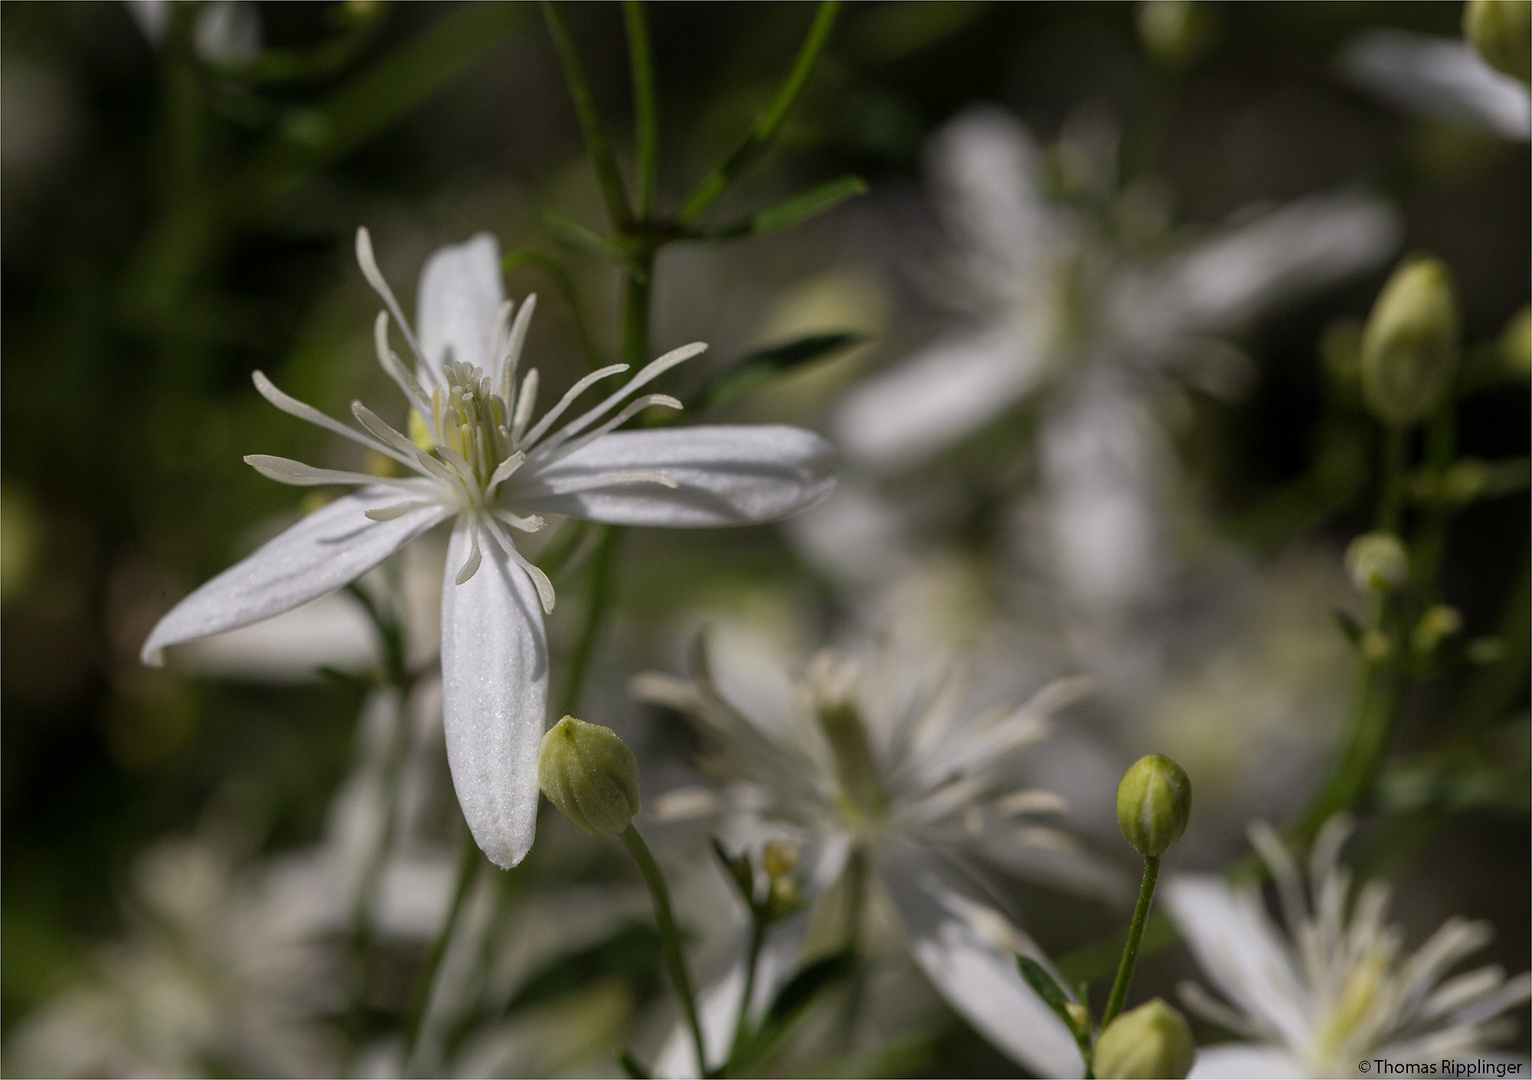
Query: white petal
column 1239, row 948
column 458, row 301
column 333, row 631
column 976, row 973
column 494, row 695
column 1241, row 1061
column 1441, row 77
column 931, row 401
column 1249, row 269
column 318, row 555
column 986, row 168
column 724, row 476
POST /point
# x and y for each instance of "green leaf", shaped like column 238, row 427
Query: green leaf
column 631, row 1065
column 577, row 236
column 1038, row 979
column 1348, row 626
column 791, row 1002
column 739, row 869
column 755, row 370
column 789, row 212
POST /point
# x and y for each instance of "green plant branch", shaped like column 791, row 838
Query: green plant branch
column 769, row 123
column 608, row 175
column 1129, row 960
column 526, row 257
column 420, row 999
column 646, row 117
column 595, row 612
column 670, row 936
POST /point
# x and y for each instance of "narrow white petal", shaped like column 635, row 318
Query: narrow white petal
column 369, row 264
column 650, row 371
column 293, row 407
column 558, row 448
column 1440, row 77
column 287, row 471
column 318, row 555
column 584, row 384
column 526, row 401
column 494, row 695
column 398, row 510
column 470, row 564
column 931, row 401
column 506, row 468
column 459, row 296
column 976, row 971
column 1241, row 1061
column 506, row 387
column 724, row 476
column 408, row 452
column 395, row 368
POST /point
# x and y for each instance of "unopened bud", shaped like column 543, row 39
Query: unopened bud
column 1152, row 1040
column 779, row 858
column 1516, row 343
column 590, row 775
column 1377, row 562
column 1439, row 622
column 1502, row 32
column 1375, row 646
column 1409, row 348
column 1176, row 33
column 1154, row 802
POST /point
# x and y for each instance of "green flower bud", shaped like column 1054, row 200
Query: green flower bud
column 1177, row 33
column 1152, row 1040
column 1438, row 623
column 590, row 775
column 1377, row 562
column 1410, row 345
column 1516, row 343
column 1502, row 32
column 1154, row 802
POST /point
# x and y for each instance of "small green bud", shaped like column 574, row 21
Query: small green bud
column 1154, row 802
column 1502, row 32
column 1516, row 343
column 1410, row 344
column 1375, row 646
column 1377, row 562
column 1177, row 33
column 1438, row 623
column 590, row 775
column 1150, row 1041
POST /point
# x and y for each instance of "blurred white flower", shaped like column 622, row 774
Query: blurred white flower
column 1046, row 290
column 1443, row 78
column 213, row 977
column 873, row 761
column 1331, row 988
column 490, row 469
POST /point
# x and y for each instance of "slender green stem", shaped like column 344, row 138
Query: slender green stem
column 769, row 123
column 1391, row 483
column 752, row 963
column 1431, row 536
column 608, row 175
column 595, row 614
column 1124, row 978
column 670, row 937
column 566, row 287
column 420, row 999
column 646, row 116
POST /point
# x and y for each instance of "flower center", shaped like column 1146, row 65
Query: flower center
column 863, row 795
column 471, row 420
column 1352, row 1007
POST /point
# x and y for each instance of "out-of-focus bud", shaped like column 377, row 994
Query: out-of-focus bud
column 1438, row 623
column 1375, row 646
column 1340, row 348
column 1377, row 562
column 1177, row 33
column 1154, row 802
column 1152, row 1040
column 1502, row 32
column 1410, row 345
column 779, row 858
column 590, row 775
column 1516, row 343
column 1077, row 1015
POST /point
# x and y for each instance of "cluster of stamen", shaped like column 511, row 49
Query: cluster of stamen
column 471, row 420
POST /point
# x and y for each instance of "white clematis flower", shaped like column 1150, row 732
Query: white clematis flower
column 1334, row 989
column 493, row 471
column 867, row 759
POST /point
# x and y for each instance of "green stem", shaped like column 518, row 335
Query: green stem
column 605, row 160
column 638, row 293
column 1391, row 487
column 670, row 937
column 764, row 132
column 420, row 999
column 595, row 614
column 752, row 962
column 646, row 116
column 1124, row 978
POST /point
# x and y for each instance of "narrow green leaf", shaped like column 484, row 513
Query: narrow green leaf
column 1348, row 626
column 739, row 869
column 1038, row 979
column 789, row 212
column 755, row 370
column 790, row 1003
column 577, row 236
column 602, row 156
column 632, row 1066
